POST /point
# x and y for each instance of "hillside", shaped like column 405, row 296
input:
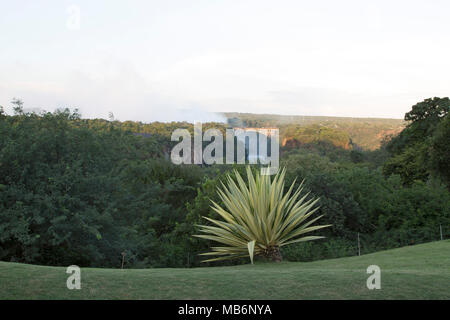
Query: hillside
column 413, row 272
column 367, row 133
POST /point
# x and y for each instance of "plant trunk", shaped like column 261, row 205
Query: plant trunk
column 274, row 254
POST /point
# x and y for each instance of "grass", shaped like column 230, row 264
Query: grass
column 414, row 272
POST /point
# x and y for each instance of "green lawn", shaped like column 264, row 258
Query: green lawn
column 414, row 272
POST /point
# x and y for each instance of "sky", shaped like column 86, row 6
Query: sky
column 185, row 60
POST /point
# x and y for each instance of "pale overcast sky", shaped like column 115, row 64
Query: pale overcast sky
column 174, row 60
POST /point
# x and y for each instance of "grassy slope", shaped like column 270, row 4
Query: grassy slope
column 415, row 272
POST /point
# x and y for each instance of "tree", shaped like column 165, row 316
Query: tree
column 18, row 106
column 356, row 156
column 411, row 149
column 440, row 151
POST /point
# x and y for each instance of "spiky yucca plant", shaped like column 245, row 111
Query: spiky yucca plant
column 259, row 217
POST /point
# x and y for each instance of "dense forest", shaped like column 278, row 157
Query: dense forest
column 364, row 133
column 94, row 192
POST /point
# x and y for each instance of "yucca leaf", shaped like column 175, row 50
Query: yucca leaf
column 251, row 249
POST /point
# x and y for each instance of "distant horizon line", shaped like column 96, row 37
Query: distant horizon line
column 226, row 114
column 257, row 114
column 299, row 115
